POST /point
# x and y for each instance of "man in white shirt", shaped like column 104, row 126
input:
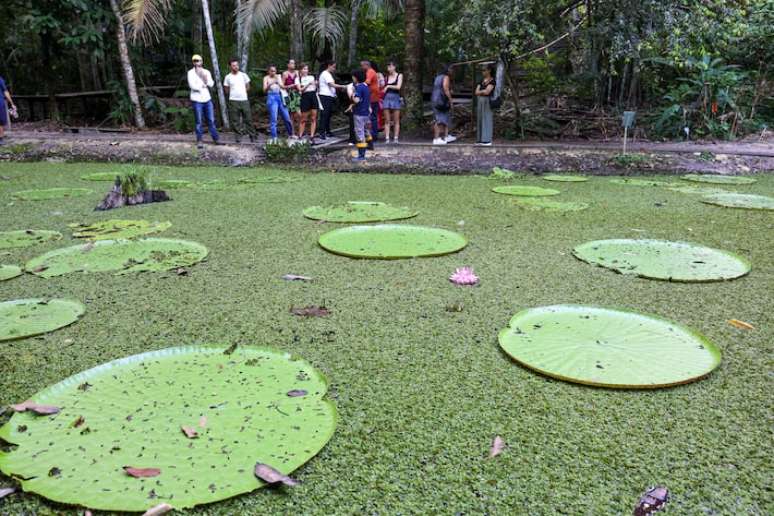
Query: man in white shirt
column 200, row 81
column 237, row 84
column 327, row 91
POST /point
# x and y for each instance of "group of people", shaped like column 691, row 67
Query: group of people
column 298, row 97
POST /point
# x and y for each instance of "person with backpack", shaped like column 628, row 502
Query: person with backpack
column 484, row 115
column 442, row 106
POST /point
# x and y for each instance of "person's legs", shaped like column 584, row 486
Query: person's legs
column 351, row 120
column 3, row 119
column 396, row 125
column 361, row 135
column 302, row 124
column 198, row 109
column 286, row 118
column 487, row 122
column 247, row 119
column 327, row 114
column 209, row 111
column 273, row 105
column 375, row 120
column 313, row 122
column 234, row 114
column 387, row 115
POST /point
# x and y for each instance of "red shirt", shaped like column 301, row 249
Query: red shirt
column 373, row 84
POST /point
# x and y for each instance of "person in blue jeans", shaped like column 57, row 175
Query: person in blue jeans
column 361, row 111
column 5, row 96
column 273, row 86
column 200, row 81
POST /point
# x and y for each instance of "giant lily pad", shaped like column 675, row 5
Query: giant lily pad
column 172, row 184
column 26, row 237
column 9, row 271
column 28, row 317
column 268, row 179
column 101, row 176
column 698, row 190
column 735, row 200
column 525, row 191
column 51, row 193
column 118, row 229
column 664, row 260
column 123, row 256
column 565, row 179
column 391, row 241
column 359, row 211
column 720, row 180
column 540, row 204
column 607, row 348
column 195, row 418
column 642, row 182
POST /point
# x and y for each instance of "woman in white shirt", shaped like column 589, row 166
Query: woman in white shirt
column 307, row 85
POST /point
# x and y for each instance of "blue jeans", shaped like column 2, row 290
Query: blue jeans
column 277, row 106
column 204, row 110
column 374, row 120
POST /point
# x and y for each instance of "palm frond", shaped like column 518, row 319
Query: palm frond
column 388, row 8
column 327, row 24
column 145, row 19
column 259, row 15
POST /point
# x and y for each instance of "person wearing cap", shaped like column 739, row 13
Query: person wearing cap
column 200, row 81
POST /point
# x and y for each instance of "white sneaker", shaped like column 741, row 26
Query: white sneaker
column 450, row 138
column 395, row 141
column 484, row 144
column 439, row 141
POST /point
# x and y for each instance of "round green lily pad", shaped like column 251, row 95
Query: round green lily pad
column 27, row 317
column 51, row 193
column 540, row 204
column 565, row 179
column 249, row 406
column 698, row 190
column 663, row 260
column 359, row 211
column 391, row 241
column 272, row 179
column 9, row 271
column 26, row 237
column 172, row 184
column 101, row 176
column 525, row 191
column 215, row 184
column 608, row 348
column 118, row 229
column 123, row 256
column 642, row 182
column 721, row 180
column 735, row 200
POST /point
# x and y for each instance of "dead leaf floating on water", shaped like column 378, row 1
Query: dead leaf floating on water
column 5, row 491
column 653, row 500
column 142, row 472
column 498, row 445
column 189, row 432
column 159, row 509
column 296, row 393
column 181, row 271
column 310, row 311
column 736, row 323
column 296, row 277
column 272, row 476
column 41, row 410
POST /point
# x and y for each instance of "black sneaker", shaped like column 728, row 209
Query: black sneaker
column 239, row 139
column 217, row 142
column 322, row 137
column 199, row 144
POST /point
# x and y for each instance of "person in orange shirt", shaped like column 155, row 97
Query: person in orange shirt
column 372, row 81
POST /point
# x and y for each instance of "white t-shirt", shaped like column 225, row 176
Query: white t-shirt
column 325, row 79
column 307, row 83
column 200, row 87
column 237, row 85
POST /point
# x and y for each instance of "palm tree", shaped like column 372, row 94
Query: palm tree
column 412, row 85
column 373, row 9
column 126, row 65
column 215, row 66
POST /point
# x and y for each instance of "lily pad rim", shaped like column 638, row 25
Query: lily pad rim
column 709, row 345
column 742, row 259
column 17, row 271
column 710, row 199
column 565, row 178
column 78, row 317
column 707, row 178
column 361, row 257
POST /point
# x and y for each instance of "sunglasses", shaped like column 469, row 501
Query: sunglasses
column 197, row 60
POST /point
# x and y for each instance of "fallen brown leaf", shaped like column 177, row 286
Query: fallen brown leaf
column 189, row 432
column 78, row 422
column 142, row 472
column 5, row 491
column 159, row 509
column 295, row 277
column 310, row 311
column 736, row 323
column 497, row 447
column 654, row 499
column 40, row 268
column 295, row 393
column 272, row 476
column 41, row 410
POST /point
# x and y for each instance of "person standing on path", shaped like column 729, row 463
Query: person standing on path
column 372, row 81
column 237, row 85
column 484, row 115
column 273, row 86
column 292, row 97
column 327, row 87
column 200, row 81
column 392, row 103
column 307, row 85
column 361, row 113
column 5, row 101
column 442, row 107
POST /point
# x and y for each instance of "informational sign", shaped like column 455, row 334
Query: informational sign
column 628, row 123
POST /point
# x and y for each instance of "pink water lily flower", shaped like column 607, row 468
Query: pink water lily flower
column 464, row 276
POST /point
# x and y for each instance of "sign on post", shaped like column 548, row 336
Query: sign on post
column 628, row 121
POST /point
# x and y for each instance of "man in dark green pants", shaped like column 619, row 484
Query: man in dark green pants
column 237, row 84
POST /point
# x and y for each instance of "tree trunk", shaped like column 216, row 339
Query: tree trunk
column 215, row 65
column 353, row 26
column 412, row 85
column 126, row 65
column 243, row 42
column 296, row 30
column 196, row 30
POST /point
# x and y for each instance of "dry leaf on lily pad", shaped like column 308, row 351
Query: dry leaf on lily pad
column 654, row 499
column 135, row 408
column 498, row 445
column 41, row 410
column 5, row 491
column 295, row 393
column 158, row 510
column 310, row 311
column 736, row 323
column 142, row 472
column 189, row 432
column 272, row 476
